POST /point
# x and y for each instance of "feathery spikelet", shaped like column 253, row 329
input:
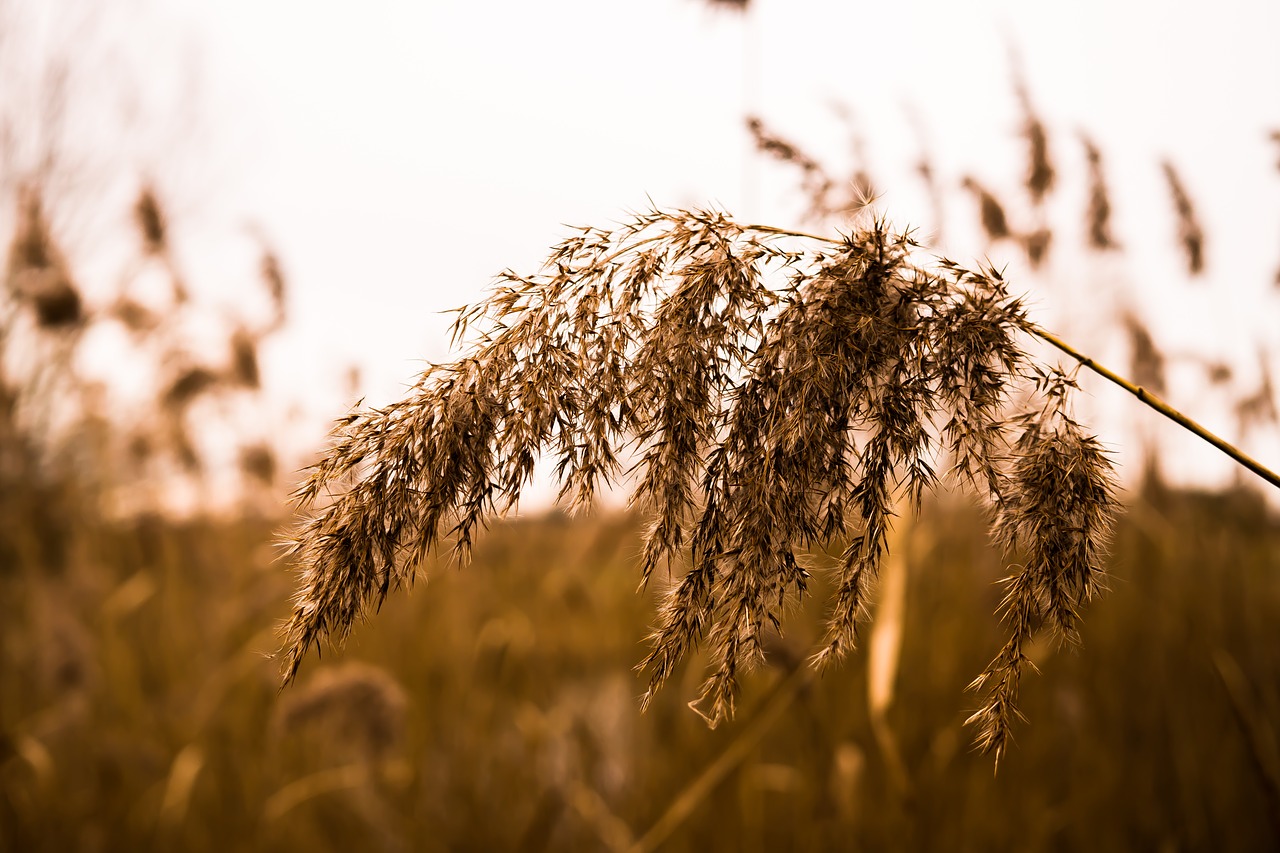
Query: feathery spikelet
column 778, row 391
column 1056, row 514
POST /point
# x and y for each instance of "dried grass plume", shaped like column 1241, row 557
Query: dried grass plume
column 776, row 391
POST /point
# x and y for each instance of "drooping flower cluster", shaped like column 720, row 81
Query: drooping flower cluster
column 772, row 390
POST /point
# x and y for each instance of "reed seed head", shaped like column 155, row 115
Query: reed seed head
column 1190, row 234
column 776, row 390
column 151, row 221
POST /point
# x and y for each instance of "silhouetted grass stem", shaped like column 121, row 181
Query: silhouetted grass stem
column 1159, row 405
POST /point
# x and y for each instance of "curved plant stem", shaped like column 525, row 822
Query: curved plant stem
column 1136, row 390
column 780, row 697
column 1160, row 406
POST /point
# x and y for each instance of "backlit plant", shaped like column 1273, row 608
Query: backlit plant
column 762, row 392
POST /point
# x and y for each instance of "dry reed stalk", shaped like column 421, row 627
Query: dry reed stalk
column 779, row 390
column 684, row 804
column 328, row 781
column 1258, row 731
column 181, row 783
column 1153, row 401
column 862, row 190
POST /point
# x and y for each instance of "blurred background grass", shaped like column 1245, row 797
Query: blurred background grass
column 496, row 706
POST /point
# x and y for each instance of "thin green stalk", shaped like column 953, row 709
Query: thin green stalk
column 1160, row 406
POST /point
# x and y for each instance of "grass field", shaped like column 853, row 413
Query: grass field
column 496, row 708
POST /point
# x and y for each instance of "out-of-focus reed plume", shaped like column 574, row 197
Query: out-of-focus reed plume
column 1259, row 409
column 37, row 271
column 154, row 229
column 1040, row 171
column 1146, row 361
column 827, row 196
column 815, row 182
column 1098, row 215
column 273, row 279
column 244, row 369
column 359, row 706
column 134, row 316
column 1036, row 244
column 189, row 384
column 1275, row 137
column 990, row 210
column 151, row 221
column 258, row 462
column 1190, row 233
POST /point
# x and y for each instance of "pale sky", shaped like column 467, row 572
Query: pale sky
column 399, row 154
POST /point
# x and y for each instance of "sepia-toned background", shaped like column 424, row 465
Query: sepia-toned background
column 225, row 224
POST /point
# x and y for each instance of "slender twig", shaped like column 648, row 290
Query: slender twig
column 780, row 697
column 1159, row 405
column 1138, row 391
column 1146, row 396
